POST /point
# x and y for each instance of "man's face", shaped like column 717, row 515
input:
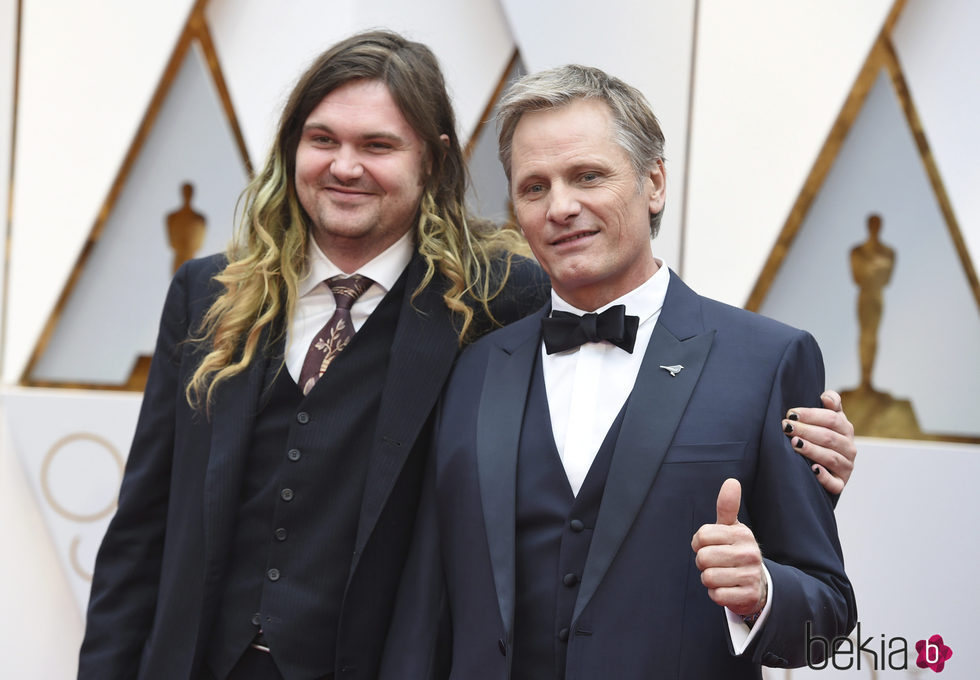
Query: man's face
column 577, row 198
column 360, row 168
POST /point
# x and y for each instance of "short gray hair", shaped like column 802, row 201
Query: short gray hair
column 635, row 127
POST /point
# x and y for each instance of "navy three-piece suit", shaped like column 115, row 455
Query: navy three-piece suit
column 513, row 577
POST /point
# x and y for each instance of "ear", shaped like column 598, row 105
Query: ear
column 445, row 140
column 657, row 187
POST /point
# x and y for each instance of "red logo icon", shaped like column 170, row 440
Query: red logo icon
column 933, row 653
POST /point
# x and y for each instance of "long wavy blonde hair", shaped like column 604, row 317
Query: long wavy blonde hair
column 267, row 257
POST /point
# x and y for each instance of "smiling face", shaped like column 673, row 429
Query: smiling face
column 582, row 208
column 360, row 170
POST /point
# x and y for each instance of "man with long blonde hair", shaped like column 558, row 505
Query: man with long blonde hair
column 272, row 485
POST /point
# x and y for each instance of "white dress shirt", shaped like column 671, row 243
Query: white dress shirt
column 588, row 386
column 582, row 409
column 316, row 303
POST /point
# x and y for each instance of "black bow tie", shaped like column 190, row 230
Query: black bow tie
column 564, row 330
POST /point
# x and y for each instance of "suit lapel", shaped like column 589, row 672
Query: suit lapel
column 422, row 354
column 654, row 410
column 498, row 431
column 235, row 409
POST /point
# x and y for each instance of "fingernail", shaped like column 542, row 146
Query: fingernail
column 787, row 428
column 799, row 444
column 793, row 415
column 816, row 471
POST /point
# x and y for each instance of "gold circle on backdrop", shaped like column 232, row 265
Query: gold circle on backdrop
column 46, row 466
column 75, row 562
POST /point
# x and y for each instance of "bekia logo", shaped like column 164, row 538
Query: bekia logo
column 933, row 653
column 878, row 653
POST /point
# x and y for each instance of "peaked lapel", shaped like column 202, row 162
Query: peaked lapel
column 654, row 410
column 235, row 409
column 422, row 354
column 498, row 431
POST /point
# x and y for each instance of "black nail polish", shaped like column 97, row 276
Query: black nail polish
column 793, row 416
column 799, row 444
column 816, row 471
column 788, row 428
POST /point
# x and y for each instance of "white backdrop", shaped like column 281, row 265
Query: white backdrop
column 747, row 93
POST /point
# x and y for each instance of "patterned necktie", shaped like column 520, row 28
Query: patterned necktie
column 333, row 337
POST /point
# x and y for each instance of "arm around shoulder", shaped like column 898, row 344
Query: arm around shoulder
column 794, row 523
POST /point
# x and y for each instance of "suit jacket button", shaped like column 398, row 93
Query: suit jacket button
column 569, row 580
column 281, row 534
column 273, row 574
column 286, row 495
column 576, row 525
column 563, row 635
column 502, row 647
column 256, row 619
column 303, row 417
column 293, row 454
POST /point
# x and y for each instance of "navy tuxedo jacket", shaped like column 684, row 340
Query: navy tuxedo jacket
column 159, row 570
column 641, row 611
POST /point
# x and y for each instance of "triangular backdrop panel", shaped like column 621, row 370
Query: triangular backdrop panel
column 930, row 326
column 770, row 80
column 83, row 93
column 108, row 321
column 936, row 43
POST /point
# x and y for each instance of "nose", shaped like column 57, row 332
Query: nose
column 563, row 205
column 346, row 166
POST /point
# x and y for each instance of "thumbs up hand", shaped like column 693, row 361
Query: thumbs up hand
column 729, row 557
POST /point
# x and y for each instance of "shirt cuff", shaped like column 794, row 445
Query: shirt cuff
column 739, row 631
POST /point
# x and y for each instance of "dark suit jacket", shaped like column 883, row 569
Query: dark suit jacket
column 641, row 611
column 159, row 570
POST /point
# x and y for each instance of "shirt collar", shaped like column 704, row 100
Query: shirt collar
column 643, row 301
column 384, row 269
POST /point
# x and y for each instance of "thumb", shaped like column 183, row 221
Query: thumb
column 729, row 499
column 831, row 400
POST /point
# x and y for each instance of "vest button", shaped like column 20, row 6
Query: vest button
column 273, row 574
column 280, row 534
column 569, row 580
column 293, row 454
column 286, row 495
column 576, row 525
column 303, row 417
column 256, row 619
column 563, row 635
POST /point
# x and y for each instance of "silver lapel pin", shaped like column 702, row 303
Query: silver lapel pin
column 673, row 370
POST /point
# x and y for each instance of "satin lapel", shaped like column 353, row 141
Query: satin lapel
column 422, row 354
column 498, row 433
column 655, row 408
column 233, row 415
